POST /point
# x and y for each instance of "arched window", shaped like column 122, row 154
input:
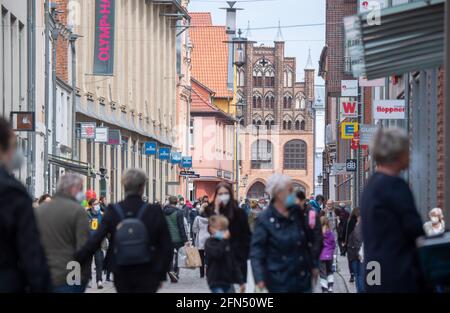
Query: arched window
column 297, row 125
column 256, row 191
column 295, row 155
column 267, row 124
column 287, row 102
column 269, row 101
column 288, row 78
column 284, row 125
column 289, row 125
column 262, row 154
column 303, row 125
column 257, row 101
column 270, row 78
column 257, row 78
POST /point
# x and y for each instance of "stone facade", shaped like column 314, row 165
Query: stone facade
column 277, row 112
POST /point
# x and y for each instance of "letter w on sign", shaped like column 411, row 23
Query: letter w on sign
column 348, row 109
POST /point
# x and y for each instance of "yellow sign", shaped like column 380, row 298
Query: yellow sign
column 94, row 224
column 348, row 130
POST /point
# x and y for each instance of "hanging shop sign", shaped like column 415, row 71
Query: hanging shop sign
column 104, row 37
column 389, row 110
column 348, row 130
column 366, row 134
column 351, row 165
column 88, row 130
column 164, row 153
column 364, row 82
column 349, row 88
column 338, row 169
column 348, row 108
column 23, row 121
column 175, row 158
column 101, row 134
column 114, row 137
column 186, row 162
column 150, row 148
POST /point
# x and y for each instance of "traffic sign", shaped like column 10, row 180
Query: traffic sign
column 186, row 162
column 351, row 165
column 164, row 153
column 175, row 158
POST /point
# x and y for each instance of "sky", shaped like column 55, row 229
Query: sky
column 267, row 13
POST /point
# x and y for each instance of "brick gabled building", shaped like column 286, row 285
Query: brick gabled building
column 276, row 134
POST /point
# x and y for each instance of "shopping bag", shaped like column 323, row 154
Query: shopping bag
column 182, row 258
column 193, row 259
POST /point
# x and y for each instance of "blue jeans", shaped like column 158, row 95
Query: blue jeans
column 69, row 289
column 359, row 272
column 222, row 289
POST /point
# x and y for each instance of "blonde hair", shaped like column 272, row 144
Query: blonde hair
column 219, row 221
column 325, row 222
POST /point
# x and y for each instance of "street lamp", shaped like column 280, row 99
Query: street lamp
column 241, row 47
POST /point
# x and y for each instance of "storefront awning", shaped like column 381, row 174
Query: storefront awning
column 405, row 38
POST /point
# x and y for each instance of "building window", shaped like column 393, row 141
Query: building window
column 287, row 102
column 288, row 78
column 141, row 156
column 297, row 125
column 191, row 132
column 303, row 125
column 262, row 154
column 256, row 191
column 124, row 154
column 257, row 78
column 270, row 78
column 257, row 102
column 295, row 155
column 269, row 101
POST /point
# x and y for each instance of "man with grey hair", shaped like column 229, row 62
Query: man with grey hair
column 391, row 223
column 64, row 229
column 144, row 277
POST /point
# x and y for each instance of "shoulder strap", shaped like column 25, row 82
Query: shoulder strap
column 119, row 211
column 142, row 211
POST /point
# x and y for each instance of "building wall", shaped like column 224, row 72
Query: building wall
column 142, row 92
column 13, row 69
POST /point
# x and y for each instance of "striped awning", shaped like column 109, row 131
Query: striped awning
column 397, row 39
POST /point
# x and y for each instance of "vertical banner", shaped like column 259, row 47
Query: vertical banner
column 104, row 37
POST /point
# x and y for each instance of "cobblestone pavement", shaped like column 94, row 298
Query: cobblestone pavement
column 190, row 282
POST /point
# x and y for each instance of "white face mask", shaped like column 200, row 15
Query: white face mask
column 224, row 198
column 80, row 196
column 434, row 219
column 97, row 207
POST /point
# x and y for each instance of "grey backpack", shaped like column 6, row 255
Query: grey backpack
column 131, row 240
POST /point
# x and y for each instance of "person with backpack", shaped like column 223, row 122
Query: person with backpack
column 175, row 221
column 140, row 246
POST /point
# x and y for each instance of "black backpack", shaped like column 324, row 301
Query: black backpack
column 131, row 240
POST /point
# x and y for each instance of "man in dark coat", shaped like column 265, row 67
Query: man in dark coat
column 23, row 266
column 142, row 278
column 390, row 220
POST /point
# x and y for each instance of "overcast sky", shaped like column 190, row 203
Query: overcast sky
column 267, row 13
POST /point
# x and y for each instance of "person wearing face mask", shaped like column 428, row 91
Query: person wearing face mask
column 19, row 243
column 281, row 251
column 436, row 224
column 64, row 229
column 201, row 234
column 95, row 219
column 225, row 204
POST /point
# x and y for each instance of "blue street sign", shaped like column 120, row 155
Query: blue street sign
column 186, row 162
column 175, row 158
column 164, row 153
column 150, row 148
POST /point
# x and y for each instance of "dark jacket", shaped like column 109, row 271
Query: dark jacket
column 23, row 266
column 221, row 267
column 240, row 238
column 64, row 229
column 281, row 252
column 354, row 243
column 178, row 231
column 150, row 274
column 391, row 226
column 314, row 235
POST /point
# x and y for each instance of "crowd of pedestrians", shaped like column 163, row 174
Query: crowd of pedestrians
column 290, row 242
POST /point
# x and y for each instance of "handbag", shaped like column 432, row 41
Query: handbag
column 193, row 259
column 182, row 257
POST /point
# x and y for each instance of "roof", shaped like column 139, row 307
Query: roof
column 210, row 57
column 200, row 19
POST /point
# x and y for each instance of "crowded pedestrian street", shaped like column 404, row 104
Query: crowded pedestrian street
column 216, row 154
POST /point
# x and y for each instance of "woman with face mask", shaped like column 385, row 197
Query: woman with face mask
column 224, row 203
column 282, row 250
column 95, row 218
column 436, row 224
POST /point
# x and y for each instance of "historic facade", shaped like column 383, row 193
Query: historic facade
column 276, row 128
